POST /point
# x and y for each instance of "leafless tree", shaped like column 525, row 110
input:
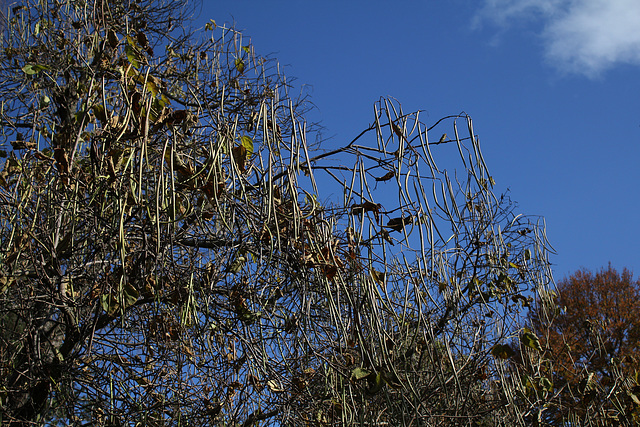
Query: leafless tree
column 170, row 256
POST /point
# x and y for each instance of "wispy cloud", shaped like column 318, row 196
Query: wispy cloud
column 580, row 36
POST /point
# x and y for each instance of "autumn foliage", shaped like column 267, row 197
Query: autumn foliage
column 591, row 346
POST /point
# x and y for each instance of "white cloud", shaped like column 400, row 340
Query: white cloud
column 580, row 36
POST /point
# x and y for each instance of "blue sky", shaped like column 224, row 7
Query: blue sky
column 552, row 86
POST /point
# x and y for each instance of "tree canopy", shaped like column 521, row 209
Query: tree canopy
column 171, row 256
column 591, row 345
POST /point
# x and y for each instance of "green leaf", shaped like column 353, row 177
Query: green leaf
column 130, row 295
column 152, row 86
column 5, row 283
column 132, row 55
column 31, row 69
column 360, row 373
column 44, row 101
column 109, row 303
column 378, row 276
column 237, row 264
column 248, row 317
column 239, row 65
column 99, row 112
column 529, row 339
column 247, row 143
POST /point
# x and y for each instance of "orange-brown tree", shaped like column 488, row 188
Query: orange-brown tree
column 591, row 345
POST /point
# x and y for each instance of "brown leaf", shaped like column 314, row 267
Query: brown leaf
column 112, row 38
column 62, row 163
column 397, row 224
column 176, row 117
column 358, row 209
column 386, row 176
column 144, row 43
column 240, row 156
column 385, row 235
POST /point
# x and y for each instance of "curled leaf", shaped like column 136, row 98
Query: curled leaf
column 112, row 39
column 386, row 177
column 358, row 209
column 360, row 373
column 62, row 163
column 239, row 65
column 31, row 69
column 397, row 224
column 378, row 276
column 240, row 156
column 529, row 339
column 500, row 351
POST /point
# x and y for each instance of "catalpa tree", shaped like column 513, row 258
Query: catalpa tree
column 169, row 258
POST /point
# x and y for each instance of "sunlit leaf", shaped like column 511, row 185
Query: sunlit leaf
column 132, row 56
column 274, row 386
column 378, row 276
column 247, row 143
column 360, row 373
column 529, row 339
column 546, row 384
column 5, row 283
column 44, row 101
column 31, row 69
column 237, row 264
column 239, row 65
column 210, row 25
column 152, row 86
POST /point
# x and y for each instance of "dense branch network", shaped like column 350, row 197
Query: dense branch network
column 167, row 258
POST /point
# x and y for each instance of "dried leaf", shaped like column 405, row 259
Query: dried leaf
column 500, row 351
column 397, row 130
column 62, row 163
column 240, row 156
column 378, row 276
column 386, row 176
column 358, row 209
column 112, row 39
column 397, row 224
